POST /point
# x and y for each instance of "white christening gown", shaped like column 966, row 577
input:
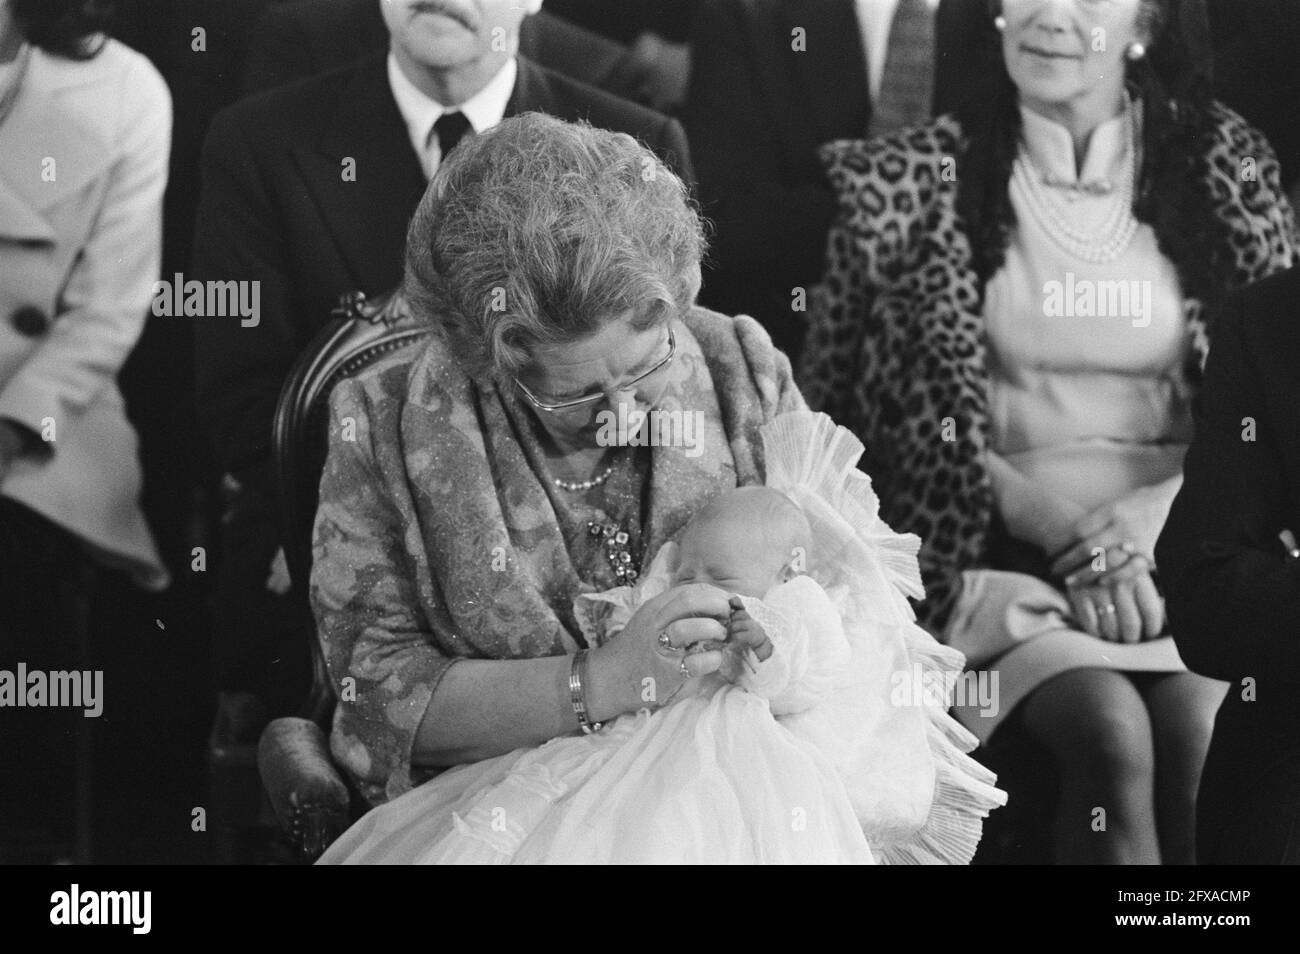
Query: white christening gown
column 815, row 758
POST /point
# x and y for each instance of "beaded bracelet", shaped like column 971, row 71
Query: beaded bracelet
column 576, row 696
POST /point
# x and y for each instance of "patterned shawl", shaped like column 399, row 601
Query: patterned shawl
column 436, row 539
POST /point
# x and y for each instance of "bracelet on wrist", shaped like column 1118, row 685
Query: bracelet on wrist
column 577, row 693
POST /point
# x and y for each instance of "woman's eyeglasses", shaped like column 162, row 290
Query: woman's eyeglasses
column 588, row 400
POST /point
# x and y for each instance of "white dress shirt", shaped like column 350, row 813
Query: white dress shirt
column 874, row 20
column 484, row 109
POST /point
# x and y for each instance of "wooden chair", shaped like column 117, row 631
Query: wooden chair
column 312, row 802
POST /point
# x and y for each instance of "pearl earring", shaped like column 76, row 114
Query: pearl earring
column 1136, row 51
column 1000, row 22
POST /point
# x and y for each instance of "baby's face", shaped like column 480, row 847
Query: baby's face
column 733, row 555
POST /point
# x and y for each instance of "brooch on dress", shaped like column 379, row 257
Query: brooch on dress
column 615, row 544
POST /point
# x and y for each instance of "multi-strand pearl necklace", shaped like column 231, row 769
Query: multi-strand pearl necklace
column 1115, row 232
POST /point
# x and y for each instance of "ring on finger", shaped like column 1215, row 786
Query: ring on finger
column 666, row 645
column 1109, row 609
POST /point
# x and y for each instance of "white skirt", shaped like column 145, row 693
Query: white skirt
column 711, row 779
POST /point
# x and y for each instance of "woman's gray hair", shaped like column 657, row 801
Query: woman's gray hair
column 540, row 231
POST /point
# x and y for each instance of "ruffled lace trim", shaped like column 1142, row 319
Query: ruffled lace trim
column 965, row 790
column 814, row 461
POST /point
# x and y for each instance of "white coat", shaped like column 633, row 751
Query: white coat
column 83, row 166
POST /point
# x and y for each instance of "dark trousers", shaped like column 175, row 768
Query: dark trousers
column 34, row 553
column 1248, row 808
column 38, row 562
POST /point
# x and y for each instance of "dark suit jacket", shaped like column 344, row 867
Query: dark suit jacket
column 1232, row 592
column 309, row 37
column 275, row 208
column 1257, row 70
column 756, row 113
column 625, row 20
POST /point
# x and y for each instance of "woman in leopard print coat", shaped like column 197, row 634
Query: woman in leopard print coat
column 901, row 350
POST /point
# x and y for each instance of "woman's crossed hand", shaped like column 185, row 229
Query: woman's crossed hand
column 1122, row 605
column 1115, row 597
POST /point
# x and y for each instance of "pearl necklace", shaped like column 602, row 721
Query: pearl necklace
column 575, row 486
column 1114, row 234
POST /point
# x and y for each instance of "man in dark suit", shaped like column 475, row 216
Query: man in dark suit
column 656, row 33
column 626, row 20
column 772, row 81
column 1230, row 568
column 307, row 190
column 305, row 38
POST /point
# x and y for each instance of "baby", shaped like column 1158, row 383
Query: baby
column 746, row 541
column 755, row 542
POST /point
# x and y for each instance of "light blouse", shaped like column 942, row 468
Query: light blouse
column 1087, row 394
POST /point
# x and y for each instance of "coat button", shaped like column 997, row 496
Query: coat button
column 29, row 321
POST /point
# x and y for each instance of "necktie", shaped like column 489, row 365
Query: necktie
column 908, row 79
column 448, row 131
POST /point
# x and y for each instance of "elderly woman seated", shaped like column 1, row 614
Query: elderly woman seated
column 487, row 502
column 470, row 491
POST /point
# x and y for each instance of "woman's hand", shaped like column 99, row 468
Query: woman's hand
column 1129, row 526
column 637, row 669
column 1121, row 606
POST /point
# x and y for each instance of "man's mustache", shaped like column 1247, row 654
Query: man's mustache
column 455, row 11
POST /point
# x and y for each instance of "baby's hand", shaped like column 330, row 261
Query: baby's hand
column 747, row 643
column 746, row 634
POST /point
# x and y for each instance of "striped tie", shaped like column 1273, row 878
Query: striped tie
column 908, row 79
